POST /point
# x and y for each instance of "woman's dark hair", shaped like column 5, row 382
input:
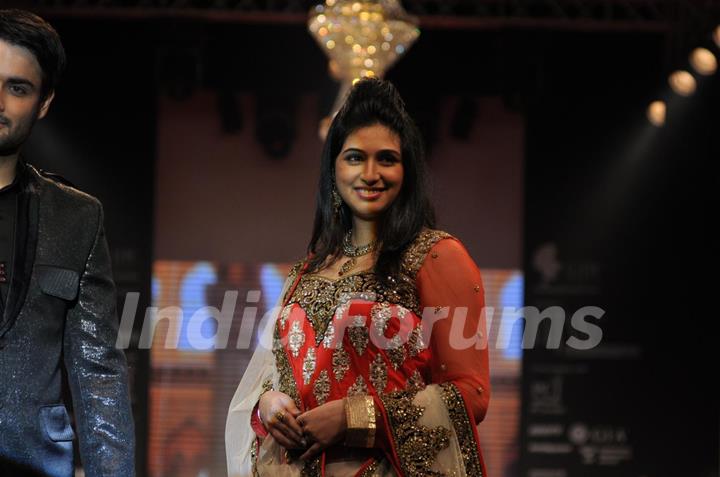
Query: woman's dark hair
column 27, row 30
column 371, row 102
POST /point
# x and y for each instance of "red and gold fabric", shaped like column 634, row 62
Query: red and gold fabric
column 413, row 346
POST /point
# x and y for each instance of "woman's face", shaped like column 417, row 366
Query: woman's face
column 369, row 171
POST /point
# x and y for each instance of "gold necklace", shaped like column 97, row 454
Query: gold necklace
column 353, row 252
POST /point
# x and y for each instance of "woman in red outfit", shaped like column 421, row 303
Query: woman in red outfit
column 378, row 365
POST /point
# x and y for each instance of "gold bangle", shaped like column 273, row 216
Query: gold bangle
column 361, row 425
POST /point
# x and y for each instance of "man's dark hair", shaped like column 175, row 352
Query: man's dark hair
column 370, row 102
column 27, row 30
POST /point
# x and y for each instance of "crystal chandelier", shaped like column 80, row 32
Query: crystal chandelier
column 362, row 39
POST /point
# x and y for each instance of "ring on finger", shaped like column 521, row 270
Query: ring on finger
column 280, row 416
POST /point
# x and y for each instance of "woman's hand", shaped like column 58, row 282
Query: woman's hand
column 323, row 426
column 278, row 414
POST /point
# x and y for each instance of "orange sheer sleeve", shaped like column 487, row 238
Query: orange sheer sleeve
column 450, row 286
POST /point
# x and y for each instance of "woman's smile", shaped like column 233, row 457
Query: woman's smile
column 369, row 171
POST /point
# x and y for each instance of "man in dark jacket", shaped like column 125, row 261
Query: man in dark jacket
column 57, row 297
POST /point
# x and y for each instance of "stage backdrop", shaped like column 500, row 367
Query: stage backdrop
column 231, row 218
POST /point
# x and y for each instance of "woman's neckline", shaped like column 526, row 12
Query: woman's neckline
column 335, row 280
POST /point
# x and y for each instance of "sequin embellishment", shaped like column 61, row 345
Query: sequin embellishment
column 396, row 352
column 296, row 338
column 378, row 374
column 321, row 388
column 328, row 340
column 340, row 362
column 415, row 342
column 358, row 333
column 417, row 446
column 309, row 365
column 359, row 388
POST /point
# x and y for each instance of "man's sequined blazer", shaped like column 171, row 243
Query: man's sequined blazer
column 60, row 319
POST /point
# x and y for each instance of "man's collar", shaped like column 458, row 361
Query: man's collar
column 20, row 173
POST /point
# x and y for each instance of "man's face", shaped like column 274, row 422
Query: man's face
column 20, row 93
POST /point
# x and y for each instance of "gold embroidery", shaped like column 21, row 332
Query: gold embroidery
column 417, row 446
column 340, row 362
column 416, row 381
column 378, row 374
column 358, row 388
column 309, row 365
column 359, row 334
column 296, row 338
column 267, row 385
column 328, row 340
column 292, row 276
column 463, row 429
column 319, row 297
column 312, row 468
column 321, row 388
column 285, row 315
column 415, row 254
column 380, row 315
column 396, row 352
column 369, row 471
column 286, row 382
column 253, row 456
column 401, row 313
column 415, row 342
column 342, row 310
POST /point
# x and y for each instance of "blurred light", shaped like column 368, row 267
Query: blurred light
column 682, row 83
column 703, row 61
column 330, row 44
column 656, row 113
column 716, row 36
column 334, row 69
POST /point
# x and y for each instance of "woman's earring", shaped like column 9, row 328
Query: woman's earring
column 337, row 201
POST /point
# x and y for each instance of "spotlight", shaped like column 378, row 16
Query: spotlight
column 656, row 113
column 682, row 83
column 703, row 61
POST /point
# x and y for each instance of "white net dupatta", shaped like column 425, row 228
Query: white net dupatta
column 239, row 435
